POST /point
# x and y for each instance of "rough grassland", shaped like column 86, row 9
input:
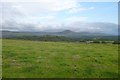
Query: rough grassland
column 0, row 58
column 36, row 59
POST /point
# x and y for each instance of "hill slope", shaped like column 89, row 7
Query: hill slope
column 66, row 33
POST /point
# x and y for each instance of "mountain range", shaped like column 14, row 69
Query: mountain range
column 65, row 33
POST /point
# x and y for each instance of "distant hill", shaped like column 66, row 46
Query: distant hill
column 65, row 33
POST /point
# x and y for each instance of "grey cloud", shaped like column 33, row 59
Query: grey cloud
column 100, row 27
column 11, row 17
column 13, row 25
column 10, row 12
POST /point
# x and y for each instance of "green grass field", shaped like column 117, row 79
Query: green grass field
column 38, row 59
column 0, row 58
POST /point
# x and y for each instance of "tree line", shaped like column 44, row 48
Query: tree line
column 63, row 38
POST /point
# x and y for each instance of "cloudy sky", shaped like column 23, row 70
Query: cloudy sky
column 59, row 15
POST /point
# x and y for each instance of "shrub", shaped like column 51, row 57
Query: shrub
column 96, row 41
column 116, row 42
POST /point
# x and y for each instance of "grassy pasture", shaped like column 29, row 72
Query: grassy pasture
column 39, row 59
column 0, row 58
